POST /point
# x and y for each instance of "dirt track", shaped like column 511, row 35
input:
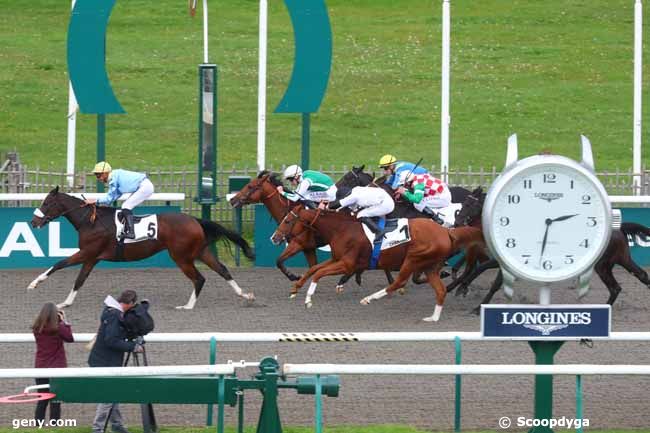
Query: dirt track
column 424, row 401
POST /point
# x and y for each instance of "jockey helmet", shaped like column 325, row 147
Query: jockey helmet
column 102, row 167
column 387, row 160
column 293, row 172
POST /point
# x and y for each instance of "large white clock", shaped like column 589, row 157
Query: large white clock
column 548, row 218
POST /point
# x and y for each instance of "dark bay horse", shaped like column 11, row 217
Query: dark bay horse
column 616, row 253
column 426, row 252
column 185, row 238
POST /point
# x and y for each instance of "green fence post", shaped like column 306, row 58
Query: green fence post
column 544, row 354
column 213, row 360
column 579, row 401
column 319, row 402
column 221, row 401
column 240, row 417
column 458, row 385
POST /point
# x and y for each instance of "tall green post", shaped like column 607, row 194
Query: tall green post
column 304, row 160
column 544, row 355
column 207, row 146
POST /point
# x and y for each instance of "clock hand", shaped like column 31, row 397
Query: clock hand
column 563, row 218
column 548, row 224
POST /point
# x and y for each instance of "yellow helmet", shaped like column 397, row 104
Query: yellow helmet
column 387, row 160
column 102, row 167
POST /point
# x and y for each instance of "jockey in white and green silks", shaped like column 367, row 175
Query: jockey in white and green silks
column 309, row 185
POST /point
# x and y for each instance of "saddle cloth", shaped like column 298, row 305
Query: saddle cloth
column 396, row 232
column 448, row 214
column 145, row 227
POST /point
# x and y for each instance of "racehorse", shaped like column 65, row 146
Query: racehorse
column 185, row 238
column 616, row 253
column 426, row 252
column 263, row 189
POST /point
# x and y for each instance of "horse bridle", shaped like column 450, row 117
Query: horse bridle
column 476, row 203
column 292, row 223
column 252, row 190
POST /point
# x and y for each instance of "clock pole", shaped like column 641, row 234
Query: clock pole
column 544, row 355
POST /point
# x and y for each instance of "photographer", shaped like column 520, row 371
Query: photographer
column 108, row 351
column 50, row 330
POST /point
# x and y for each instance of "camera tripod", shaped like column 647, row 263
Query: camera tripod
column 149, row 424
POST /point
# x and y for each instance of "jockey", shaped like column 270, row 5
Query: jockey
column 309, row 185
column 394, row 168
column 120, row 182
column 375, row 203
column 426, row 192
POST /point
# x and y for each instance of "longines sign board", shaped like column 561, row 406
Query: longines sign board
column 545, row 322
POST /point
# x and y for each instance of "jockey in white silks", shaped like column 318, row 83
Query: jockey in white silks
column 374, row 203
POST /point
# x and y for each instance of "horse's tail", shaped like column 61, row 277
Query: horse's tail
column 633, row 229
column 214, row 232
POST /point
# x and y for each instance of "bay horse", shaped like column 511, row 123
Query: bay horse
column 616, row 253
column 185, row 238
column 263, row 189
column 426, row 252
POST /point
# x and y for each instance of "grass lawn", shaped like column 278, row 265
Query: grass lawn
column 546, row 70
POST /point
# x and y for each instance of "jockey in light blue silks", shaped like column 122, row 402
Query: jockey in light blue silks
column 394, row 168
column 120, row 182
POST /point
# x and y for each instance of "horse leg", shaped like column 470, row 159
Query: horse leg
column 635, row 270
column 439, row 287
column 193, row 274
column 209, row 259
column 465, row 280
column 301, row 282
column 81, row 279
column 74, row 259
column 291, row 250
column 456, row 268
column 333, row 268
column 496, row 285
column 344, row 279
column 404, row 273
column 604, row 271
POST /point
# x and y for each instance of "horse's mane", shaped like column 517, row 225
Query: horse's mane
column 274, row 178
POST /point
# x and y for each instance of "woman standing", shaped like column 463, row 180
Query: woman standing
column 50, row 331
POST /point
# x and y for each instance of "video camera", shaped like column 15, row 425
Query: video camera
column 137, row 321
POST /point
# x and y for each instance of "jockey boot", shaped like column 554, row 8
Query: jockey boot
column 128, row 231
column 373, row 224
column 433, row 215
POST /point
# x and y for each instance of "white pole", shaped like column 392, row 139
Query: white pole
column 205, row 31
column 445, row 119
column 638, row 62
column 72, row 130
column 261, row 88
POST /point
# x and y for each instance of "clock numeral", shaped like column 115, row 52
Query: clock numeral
column 586, row 199
column 504, row 221
column 547, row 265
column 514, row 199
column 550, row 178
column 571, row 184
column 584, row 243
column 591, row 222
column 526, row 258
column 528, row 184
column 510, row 243
column 568, row 259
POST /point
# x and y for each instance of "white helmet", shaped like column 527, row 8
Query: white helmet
column 293, row 171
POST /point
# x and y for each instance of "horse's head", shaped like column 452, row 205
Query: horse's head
column 355, row 177
column 471, row 209
column 50, row 209
column 290, row 226
column 256, row 190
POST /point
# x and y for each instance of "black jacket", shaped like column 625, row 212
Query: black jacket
column 111, row 342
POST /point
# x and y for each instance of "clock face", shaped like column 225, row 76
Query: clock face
column 548, row 222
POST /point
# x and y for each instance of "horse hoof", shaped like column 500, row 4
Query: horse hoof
column 293, row 296
column 309, row 304
column 365, row 301
column 293, row 277
column 249, row 297
column 429, row 319
column 402, row 291
column 31, row 286
column 339, row 289
column 476, row 311
column 62, row 306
